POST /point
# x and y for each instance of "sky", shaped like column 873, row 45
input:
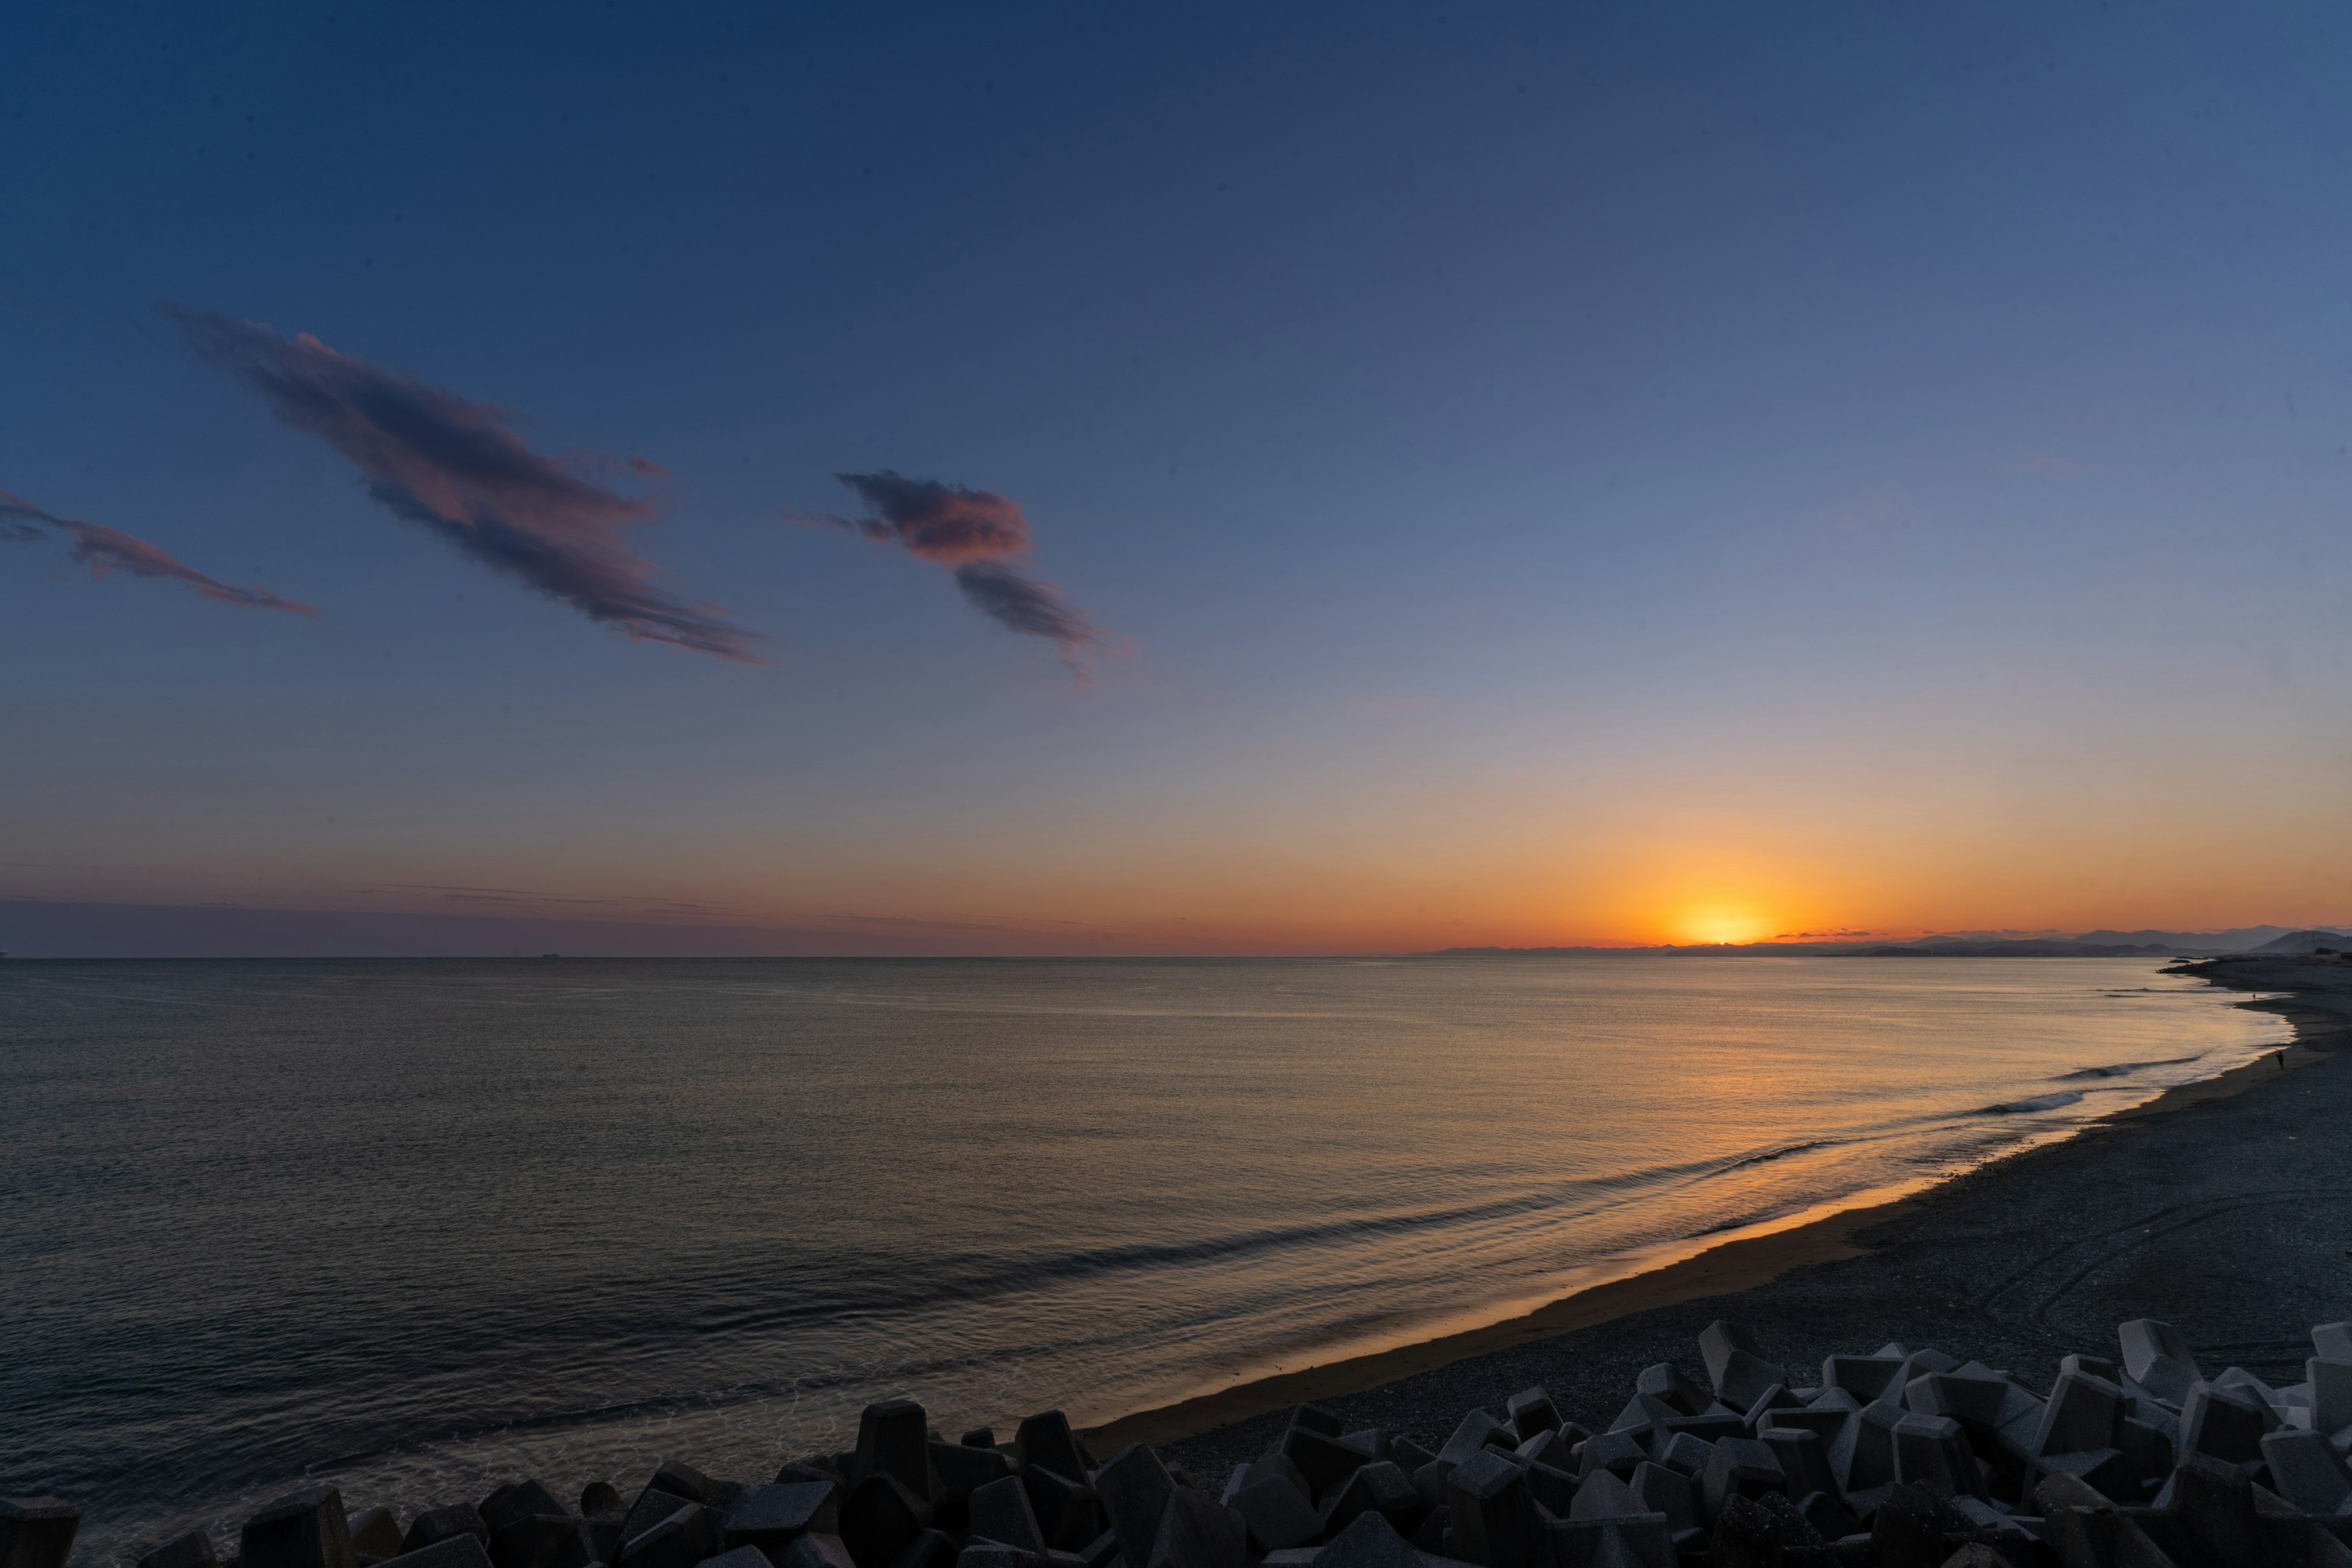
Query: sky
column 1071, row 478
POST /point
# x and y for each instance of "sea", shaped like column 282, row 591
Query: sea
column 420, row 1228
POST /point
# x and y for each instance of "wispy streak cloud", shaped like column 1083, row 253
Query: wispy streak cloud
column 105, row 550
column 984, row 539
column 458, row 469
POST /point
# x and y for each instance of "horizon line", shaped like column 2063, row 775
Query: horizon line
column 40, row 930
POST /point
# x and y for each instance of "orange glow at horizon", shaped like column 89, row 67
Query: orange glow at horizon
column 1719, row 923
column 1400, row 867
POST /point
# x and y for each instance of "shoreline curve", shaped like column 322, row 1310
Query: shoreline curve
column 1741, row 1264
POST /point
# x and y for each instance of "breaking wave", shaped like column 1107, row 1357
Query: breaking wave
column 2125, row 1070
column 2039, row 1102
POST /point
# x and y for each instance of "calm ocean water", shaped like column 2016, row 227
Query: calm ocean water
column 421, row 1226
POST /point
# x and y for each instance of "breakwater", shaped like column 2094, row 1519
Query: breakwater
column 1896, row 1456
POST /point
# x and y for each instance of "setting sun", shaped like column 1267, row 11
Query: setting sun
column 1720, row 925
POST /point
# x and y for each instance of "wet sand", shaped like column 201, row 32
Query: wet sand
column 2223, row 1206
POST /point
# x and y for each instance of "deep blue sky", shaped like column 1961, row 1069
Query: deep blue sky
column 1549, row 472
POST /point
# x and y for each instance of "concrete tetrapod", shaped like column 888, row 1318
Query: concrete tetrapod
column 1903, row 1457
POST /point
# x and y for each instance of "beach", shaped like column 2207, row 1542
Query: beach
column 459, row 1221
column 2218, row 1207
column 2195, row 1206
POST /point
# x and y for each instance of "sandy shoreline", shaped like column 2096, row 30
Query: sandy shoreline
column 1729, row 1267
column 2317, row 1001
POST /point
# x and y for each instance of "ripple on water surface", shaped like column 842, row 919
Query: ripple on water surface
column 422, row 1226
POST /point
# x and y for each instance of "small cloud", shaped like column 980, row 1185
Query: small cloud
column 458, row 470
column 980, row 536
column 945, row 525
column 105, row 550
column 1026, row 604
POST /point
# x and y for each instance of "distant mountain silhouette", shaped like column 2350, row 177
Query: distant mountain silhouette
column 2308, row 941
column 1985, row 944
column 2241, row 940
column 1950, row 947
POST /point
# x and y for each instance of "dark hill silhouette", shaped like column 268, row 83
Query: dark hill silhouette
column 2308, row 941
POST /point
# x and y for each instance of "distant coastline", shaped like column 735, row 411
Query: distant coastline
column 2263, row 940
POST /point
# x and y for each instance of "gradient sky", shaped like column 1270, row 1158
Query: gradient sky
column 1317, row 478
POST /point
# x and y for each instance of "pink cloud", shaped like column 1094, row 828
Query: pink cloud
column 105, row 550
column 945, row 525
column 458, row 470
column 984, row 539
